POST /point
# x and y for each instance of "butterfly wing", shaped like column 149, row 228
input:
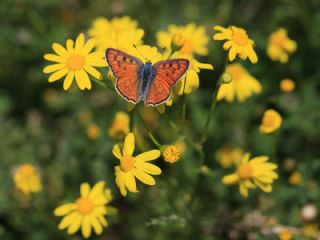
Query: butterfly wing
column 167, row 73
column 125, row 68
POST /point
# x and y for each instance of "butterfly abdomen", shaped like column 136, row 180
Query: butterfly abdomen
column 146, row 75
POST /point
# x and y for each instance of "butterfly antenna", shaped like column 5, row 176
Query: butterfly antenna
column 139, row 52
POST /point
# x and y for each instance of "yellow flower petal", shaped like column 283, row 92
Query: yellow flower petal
column 148, row 156
column 96, row 225
column 54, row 58
column 61, row 51
column 68, row 80
column 131, row 182
column 64, row 209
column 75, row 225
column 58, row 74
column 86, row 227
column 97, row 189
column 68, row 220
column 148, row 168
column 79, row 42
column 129, row 143
column 88, row 46
column 120, row 181
column 53, row 67
column 116, row 151
column 93, row 72
column 144, row 177
column 84, row 189
column 230, row 179
column 83, row 80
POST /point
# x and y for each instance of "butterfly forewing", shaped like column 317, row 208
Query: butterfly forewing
column 167, row 73
column 125, row 68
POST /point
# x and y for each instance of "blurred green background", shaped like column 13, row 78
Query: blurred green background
column 39, row 123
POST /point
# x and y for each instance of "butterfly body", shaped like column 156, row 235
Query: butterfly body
column 148, row 82
column 146, row 74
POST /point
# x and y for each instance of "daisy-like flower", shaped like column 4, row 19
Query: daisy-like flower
column 132, row 167
column 87, row 212
column 238, row 43
column 27, row 178
column 120, row 125
column 190, row 81
column 120, row 33
column 280, row 46
column 253, row 173
column 271, row 121
column 229, row 155
column 75, row 61
column 287, row 85
column 191, row 39
column 242, row 84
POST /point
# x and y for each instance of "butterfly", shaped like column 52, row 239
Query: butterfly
column 147, row 82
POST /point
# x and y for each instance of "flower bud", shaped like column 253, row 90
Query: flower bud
column 171, row 154
column 177, row 42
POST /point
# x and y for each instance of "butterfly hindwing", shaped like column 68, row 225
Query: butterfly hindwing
column 125, row 68
column 167, row 73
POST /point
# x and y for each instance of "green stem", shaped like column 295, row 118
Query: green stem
column 196, row 147
column 99, row 82
column 204, row 134
column 152, row 137
column 184, row 107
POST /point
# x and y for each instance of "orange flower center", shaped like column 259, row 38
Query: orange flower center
column 268, row 120
column 127, row 163
column 84, row 205
column 26, row 170
column 75, row 62
column 240, row 37
column 236, row 71
column 245, row 172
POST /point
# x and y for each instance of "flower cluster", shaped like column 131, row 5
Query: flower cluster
column 80, row 59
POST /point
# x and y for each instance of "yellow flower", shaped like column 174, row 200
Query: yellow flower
column 287, row 85
column 27, row 178
column 228, row 155
column 253, row 173
column 285, row 234
column 190, row 81
column 120, row 125
column 134, row 167
column 310, row 230
column 74, row 61
column 171, row 154
column 86, row 212
column 280, row 46
column 238, row 43
column 120, row 33
column 295, row 178
column 191, row 38
column 242, row 85
column 271, row 121
column 93, row 131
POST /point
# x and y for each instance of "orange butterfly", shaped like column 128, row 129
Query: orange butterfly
column 148, row 82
